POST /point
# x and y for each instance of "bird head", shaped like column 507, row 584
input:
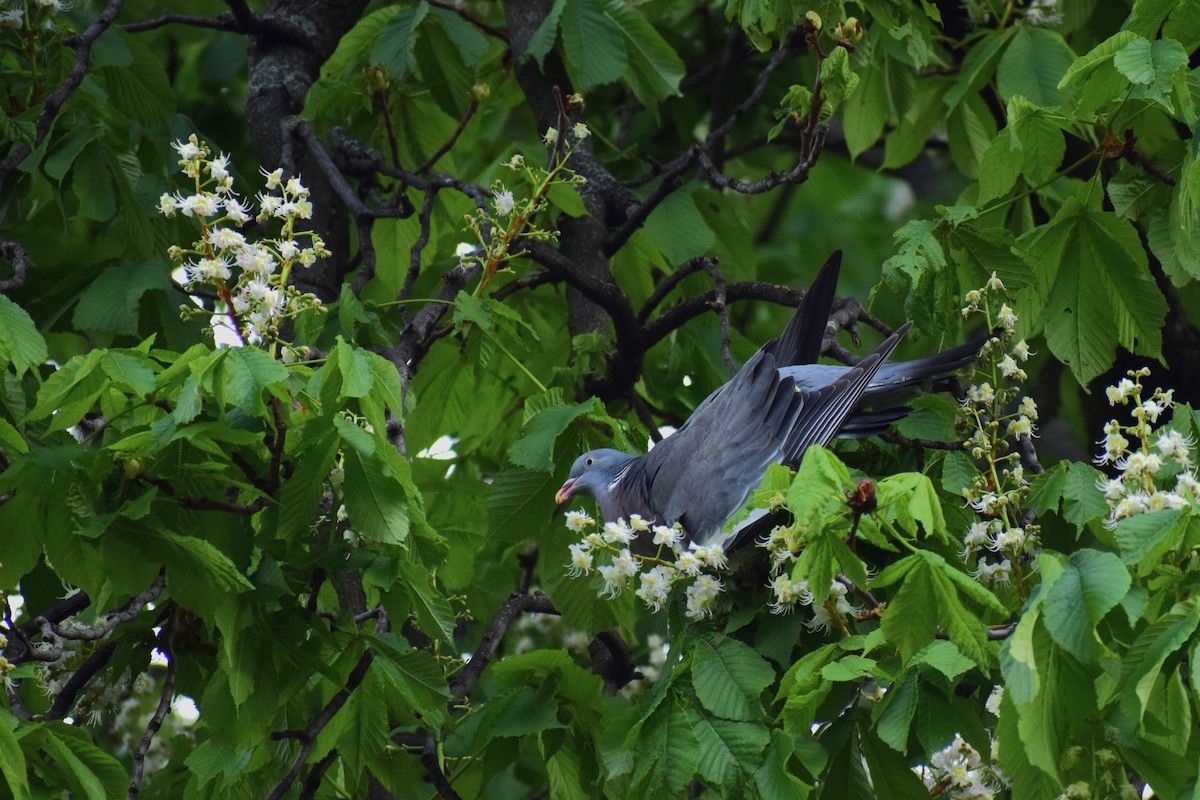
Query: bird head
column 592, row 473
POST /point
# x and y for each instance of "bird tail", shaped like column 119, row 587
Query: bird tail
column 895, row 380
column 801, row 340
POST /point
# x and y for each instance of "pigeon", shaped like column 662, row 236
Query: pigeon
column 777, row 405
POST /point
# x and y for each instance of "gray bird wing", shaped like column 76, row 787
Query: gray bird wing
column 737, row 432
column 703, row 473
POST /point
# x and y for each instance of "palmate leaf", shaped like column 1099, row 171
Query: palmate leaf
column 1091, row 585
column 667, row 754
column 1145, row 658
column 12, row 759
column 929, row 599
column 1033, row 64
column 592, row 43
column 727, row 747
column 729, row 676
column 655, row 69
column 20, row 343
column 1093, row 271
column 1061, row 703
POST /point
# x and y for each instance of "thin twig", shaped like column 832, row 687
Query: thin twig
column 79, row 680
column 308, row 736
column 491, row 30
column 446, row 145
column 669, row 283
column 312, row 781
column 167, row 641
column 432, row 764
column 58, row 98
column 527, row 282
column 418, row 247
column 114, row 618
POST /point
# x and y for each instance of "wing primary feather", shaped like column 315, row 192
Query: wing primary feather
column 802, row 339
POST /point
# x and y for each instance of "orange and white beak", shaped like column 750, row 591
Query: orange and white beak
column 564, row 494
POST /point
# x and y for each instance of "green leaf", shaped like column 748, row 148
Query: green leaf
column 729, row 677
column 525, row 710
column 247, row 372
column 1090, row 586
column 944, row 657
column 822, row 478
column 20, row 343
column 365, row 734
column 592, row 43
column 517, row 503
column 85, row 768
column 837, row 78
column 1146, row 656
column 1082, row 501
column 655, row 69
column 543, row 38
column 998, row 168
column 865, row 110
column 1144, row 538
column 928, row 601
column 111, row 303
column 376, row 501
column 434, row 614
column 666, row 753
column 1100, row 291
column 567, row 200
column 394, row 44
column 1095, row 57
column 1037, row 135
column 1032, row 66
column 909, row 499
column 358, row 370
column 728, row 748
column 1152, row 67
column 130, row 370
column 12, row 761
column 979, row 64
column 199, row 574
column 535, row 449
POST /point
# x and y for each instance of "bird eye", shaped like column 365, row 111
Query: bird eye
column 587, row 462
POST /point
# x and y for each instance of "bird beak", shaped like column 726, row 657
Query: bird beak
column 564, row 494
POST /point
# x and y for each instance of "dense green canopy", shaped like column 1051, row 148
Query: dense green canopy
column 307, row 308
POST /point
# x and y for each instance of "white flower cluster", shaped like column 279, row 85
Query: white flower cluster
column 958, row 772
column 1043, row 13
column 260, row 297
column 672, row 564
column 513, row 216
column 784, row 547
column 23, row 15
column 1143, row 456
column 998, row 416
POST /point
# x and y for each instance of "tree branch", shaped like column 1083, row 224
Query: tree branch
column 18, row 257
column 308, row 736
column 58, row 98
column 516, row 604
column 167, row 648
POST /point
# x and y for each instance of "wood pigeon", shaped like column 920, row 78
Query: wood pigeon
column 775, row 406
